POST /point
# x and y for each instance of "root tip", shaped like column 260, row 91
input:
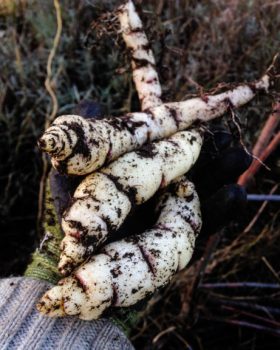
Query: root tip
column 51, row 304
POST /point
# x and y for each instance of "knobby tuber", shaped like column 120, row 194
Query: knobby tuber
column 79, row 146
column 142, row 58
column 126, row 271
column 103, row 199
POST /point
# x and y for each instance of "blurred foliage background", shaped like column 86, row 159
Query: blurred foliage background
column 197, row 44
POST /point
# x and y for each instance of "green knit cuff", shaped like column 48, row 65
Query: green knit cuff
column 45, row 259
column 42, row 268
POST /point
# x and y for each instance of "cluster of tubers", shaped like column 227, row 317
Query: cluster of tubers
column 128, row 270
column 126, row 160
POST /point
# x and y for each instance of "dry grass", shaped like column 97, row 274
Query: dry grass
column 197, row 44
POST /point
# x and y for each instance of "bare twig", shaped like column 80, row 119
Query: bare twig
column 267, row 130
column 49, row 81
column 197, row 272
column 268, row 310
column 252, row 315
column 50, row 117
column 262, row 149
column 264, row 155
column 270, row 267
column 261, row 209
column 240, row 285
column 165, row 331
column 246, row 324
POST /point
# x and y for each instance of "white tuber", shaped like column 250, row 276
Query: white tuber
column 104, row 199
column 126, row 271
column 79, row 146
column 142, row 58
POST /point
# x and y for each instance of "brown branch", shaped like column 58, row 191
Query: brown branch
column 50, row 117
column 254, row 168
column 267, row 130
column 49, row 80
column 262, row 149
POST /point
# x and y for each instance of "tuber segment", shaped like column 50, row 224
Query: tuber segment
column 78, row 146
column 144, row 73
column 103, row 199
column 127, row 271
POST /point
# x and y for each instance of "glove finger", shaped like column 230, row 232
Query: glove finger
column 227, row 204
column 218, row 140
column 225, row 169
column 141, row 219
column 62, row 188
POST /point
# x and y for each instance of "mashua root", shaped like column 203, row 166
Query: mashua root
column 78, row 146
column 144, row 74
column 126, row 271
column 103, row 199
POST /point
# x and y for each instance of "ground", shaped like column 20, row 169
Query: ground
column 197, row 44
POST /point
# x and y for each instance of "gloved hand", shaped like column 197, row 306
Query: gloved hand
column 222, row 163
